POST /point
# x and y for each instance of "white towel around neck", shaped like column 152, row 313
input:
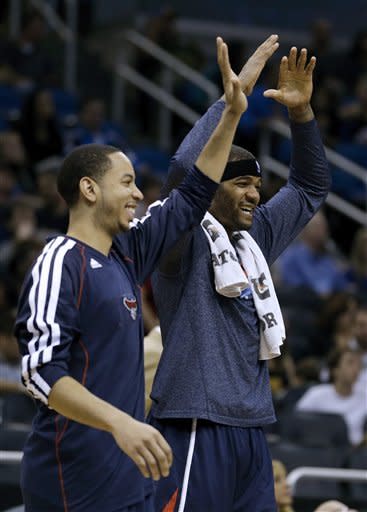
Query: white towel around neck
column 239, row 267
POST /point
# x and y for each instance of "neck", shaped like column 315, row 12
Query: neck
column 87, row 231
column 343, row 389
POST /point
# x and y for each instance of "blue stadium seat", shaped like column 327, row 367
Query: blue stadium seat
column 10, row 102
column 156, row 159
column 66, row 104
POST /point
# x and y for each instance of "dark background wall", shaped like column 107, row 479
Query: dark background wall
column 346, row 17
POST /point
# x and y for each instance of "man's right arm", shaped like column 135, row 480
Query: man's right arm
column 165, row 223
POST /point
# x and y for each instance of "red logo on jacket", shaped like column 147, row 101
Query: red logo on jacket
column 131, row 305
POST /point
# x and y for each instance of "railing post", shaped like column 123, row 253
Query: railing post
column 165, row 115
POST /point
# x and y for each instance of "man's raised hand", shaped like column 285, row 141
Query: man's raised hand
column 295, row 80
column 234, row 97
column 251, row 70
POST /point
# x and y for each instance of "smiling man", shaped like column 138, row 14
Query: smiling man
column 220, row 318
column 80, row 330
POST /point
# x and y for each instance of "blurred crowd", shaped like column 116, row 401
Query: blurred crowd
column 321, row 279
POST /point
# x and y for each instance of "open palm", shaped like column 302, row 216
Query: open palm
column 234, row 97
column 295, row 80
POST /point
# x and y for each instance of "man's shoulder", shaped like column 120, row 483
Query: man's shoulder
column 60, row 251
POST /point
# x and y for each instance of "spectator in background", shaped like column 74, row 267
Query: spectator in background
column 339, row 396
column 13, row 154
column 52, row 214
column 24, row 252
column 335, row 324
column 283, row 496
column 39, row 128
column 24, row 62
column 356, row 275
column 94, row 127
column 10, row 369
column 311, row 263
column 361, row 339
column 9, row 189
column 306, row 374
column 334, row 506
column 21, row 225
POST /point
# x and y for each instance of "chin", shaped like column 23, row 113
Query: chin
column 243, row 226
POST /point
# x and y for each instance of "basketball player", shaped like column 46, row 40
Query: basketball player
column 80, row 331
column 219, row 315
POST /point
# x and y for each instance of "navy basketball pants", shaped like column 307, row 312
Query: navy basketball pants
column 216, row 468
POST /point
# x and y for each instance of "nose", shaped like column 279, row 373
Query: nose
column 138, row 194
column 252, row 194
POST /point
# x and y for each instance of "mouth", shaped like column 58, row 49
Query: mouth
column 248, row 211
column 131, row 211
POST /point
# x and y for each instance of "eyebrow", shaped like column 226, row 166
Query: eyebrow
column 248, row 178
column 128, row 175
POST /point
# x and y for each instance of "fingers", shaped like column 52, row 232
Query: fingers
column 310, row 66
column 165, row 447
column 269, row 46
column 284, row 65
column 154, row 458
column 142, row 465
column 301, row 62
column 298, row 62
column 152, row 463
column 292, row 59
column 272, row 93
column 223, row 61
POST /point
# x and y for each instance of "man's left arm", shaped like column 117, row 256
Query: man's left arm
column 280, row 220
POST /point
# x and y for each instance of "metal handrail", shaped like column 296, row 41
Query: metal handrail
column 67, row 33
column 335, row 158
column 158, row 93
column 171, row 104
column 332, row 199
column 11, row 456
column 171, row 62
column 345, row 475
column 53, row 19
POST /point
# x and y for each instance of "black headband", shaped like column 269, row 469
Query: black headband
column 238, row 168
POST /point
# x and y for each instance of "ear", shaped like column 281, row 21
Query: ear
column 88, row 189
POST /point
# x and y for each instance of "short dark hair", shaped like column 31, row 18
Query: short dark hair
column 90, row 160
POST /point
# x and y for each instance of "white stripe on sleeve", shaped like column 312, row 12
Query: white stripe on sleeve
column 41, row 324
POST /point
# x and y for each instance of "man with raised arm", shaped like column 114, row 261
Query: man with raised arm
column 219, row 314
column 80, row 331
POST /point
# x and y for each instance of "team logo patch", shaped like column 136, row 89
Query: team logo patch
column 131, row 305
